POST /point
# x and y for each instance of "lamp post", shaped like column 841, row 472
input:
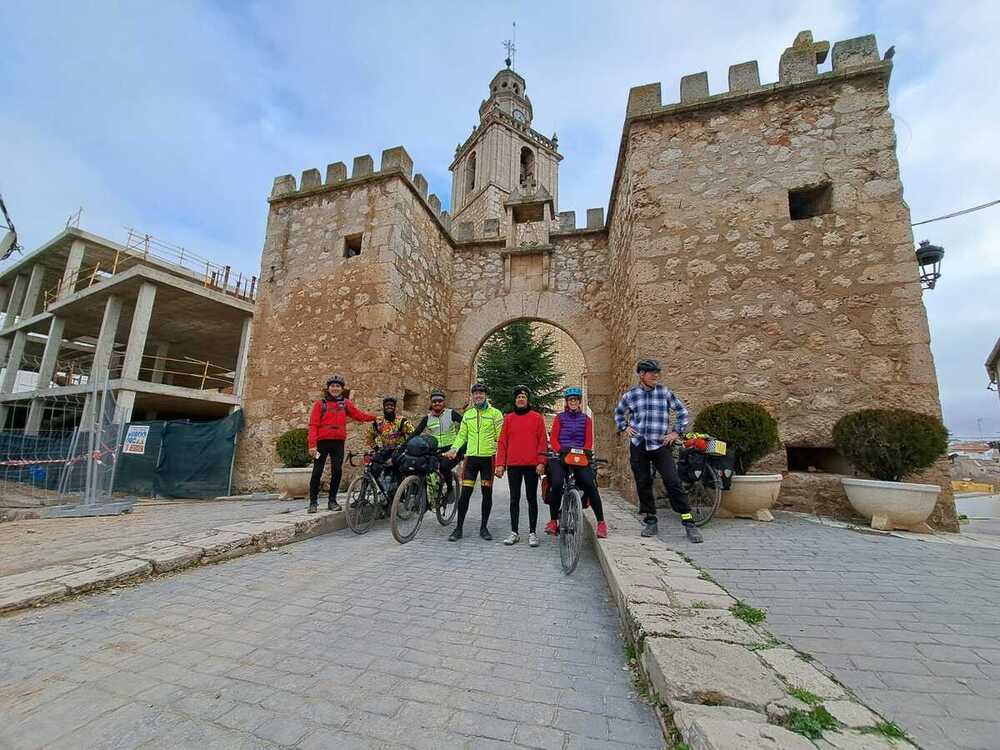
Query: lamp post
column 929, row 258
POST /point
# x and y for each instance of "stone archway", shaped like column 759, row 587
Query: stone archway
column 558, row 310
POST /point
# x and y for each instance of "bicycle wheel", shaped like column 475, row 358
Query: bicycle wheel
column 408, row 507
column 570, row 531
column 704, row 495
column 447, row 505
column 361, row 506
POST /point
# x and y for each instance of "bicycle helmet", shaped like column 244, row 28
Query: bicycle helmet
column 338, row 379
column 477, row 387
column 437, row 393
column 573, row 392
column 519, row 389
column 389, row 400
column 647, row 365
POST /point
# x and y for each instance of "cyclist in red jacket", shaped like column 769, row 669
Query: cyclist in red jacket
column 327, row 433
column 521, row 452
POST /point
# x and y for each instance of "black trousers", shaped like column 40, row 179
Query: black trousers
column 662, row 459
column 516, row 475
column 335, row 450
column 585, row 480
column 481, row 467
column 447, row 464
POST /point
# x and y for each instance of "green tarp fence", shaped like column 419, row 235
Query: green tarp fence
column 178, row 458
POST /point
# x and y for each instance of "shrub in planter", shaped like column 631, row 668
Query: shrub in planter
column 889, row 444
column 293, row 449
column 748, row 428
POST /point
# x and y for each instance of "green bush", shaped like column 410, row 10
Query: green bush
column 748, row 428
column 293, row 448
column 889, row 444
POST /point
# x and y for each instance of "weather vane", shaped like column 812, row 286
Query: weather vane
column 509, row 45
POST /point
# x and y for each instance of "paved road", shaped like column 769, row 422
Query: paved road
column 337, row 642
column 28, row 545
column 912, row 627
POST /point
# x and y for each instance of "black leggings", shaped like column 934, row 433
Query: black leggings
column 585, row 481
column 642, row 462
column 527, row 474
column 482, row 467
column 335, row 450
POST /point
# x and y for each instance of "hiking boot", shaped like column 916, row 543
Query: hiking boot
column 333, row 505
column 602, row 530
column 693, row 535
column 532, row 539
column 512, row 538
column 649, row 527
column 455, row 535
column 485, row 534
column 552, row 527
column 312, row 508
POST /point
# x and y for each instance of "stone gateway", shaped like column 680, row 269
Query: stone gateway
column 756, row 242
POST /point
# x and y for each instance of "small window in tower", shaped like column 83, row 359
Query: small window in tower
column 805, row 203
column 527, row 166
column 516, row 89
column 352, row 245
column 503, row 85
column 470, row 174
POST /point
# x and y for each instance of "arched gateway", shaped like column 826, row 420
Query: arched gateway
column 756, row 242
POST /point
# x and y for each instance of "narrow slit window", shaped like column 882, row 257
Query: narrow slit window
column 527, row 166
column 470, row 174
column 352, row 245
column 804, row 203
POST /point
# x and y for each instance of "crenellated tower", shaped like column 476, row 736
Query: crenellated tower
column 503, row 157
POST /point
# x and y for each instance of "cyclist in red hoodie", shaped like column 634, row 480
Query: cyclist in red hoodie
column 327, row 433
column 521, row 452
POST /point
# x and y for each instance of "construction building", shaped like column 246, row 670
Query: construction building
column 168, row 330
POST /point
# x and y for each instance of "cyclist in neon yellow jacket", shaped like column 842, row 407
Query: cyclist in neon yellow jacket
column 478, row 434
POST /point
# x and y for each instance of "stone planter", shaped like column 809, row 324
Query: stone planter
column 751, row 496
column 293, row 483
column 892, row 505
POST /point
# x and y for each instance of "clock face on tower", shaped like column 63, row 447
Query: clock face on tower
column 519, row 115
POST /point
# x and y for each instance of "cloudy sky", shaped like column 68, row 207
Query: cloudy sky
column 174, row 117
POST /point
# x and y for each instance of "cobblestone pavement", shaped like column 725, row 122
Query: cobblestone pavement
column 28, row 545
column 337, row 642
column 913, row 628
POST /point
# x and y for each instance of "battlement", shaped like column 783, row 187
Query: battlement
column 799, row 64
column 566, row 221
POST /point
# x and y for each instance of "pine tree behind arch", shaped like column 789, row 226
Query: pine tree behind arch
column 517, row 355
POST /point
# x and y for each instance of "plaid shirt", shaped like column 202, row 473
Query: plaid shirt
column 649, row 414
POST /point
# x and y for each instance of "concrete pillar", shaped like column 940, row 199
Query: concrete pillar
column 33, row 291
column 4, row 348
column 47, row 367
column 13, row 362
column 16, row 300
column 241, row 359
column 106, row 338
column 160, row 363
column 35, row 413
column 73, row 264
column 124, row 404
column 133, row 351
column 4, row 296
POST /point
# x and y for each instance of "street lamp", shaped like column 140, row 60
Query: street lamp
column 929, row 258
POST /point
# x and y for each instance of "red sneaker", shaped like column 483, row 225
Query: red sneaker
column 552, row 527
column 602, row 530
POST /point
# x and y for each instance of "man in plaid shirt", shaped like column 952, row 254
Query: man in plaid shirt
column 648, row 405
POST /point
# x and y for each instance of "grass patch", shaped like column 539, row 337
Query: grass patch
column 771, row 642
column 805, row 696
column 700, row 605
column 890, row 730
column 807, row 657
column 810, row 724
column 748, row 614
column 630, row 652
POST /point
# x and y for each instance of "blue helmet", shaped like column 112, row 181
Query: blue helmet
column 573, row 392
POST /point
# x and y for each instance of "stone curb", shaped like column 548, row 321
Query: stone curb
column 720, row 682
column 54, row 582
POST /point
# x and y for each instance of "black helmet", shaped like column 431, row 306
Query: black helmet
column 477, row 387
column 338, row 379
column 389, row 400
column 519, row 389
column 647, row 365
column 437, row 393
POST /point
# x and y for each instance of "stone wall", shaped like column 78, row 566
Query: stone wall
column 813, row 318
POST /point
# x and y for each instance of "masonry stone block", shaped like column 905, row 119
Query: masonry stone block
column 363, row 166
column 446, row 220
column 567, row 221
column 491, row 228
column 595, row 218
column 643, row 99
column 336, row 172
column 464, row 231
column 435, row 203
column 694, row 87
column 283, row 185
column 420, row 183
column 310, row 179
column 744, row 76
column 797, row 64
column 857, row 51
column 397, row 159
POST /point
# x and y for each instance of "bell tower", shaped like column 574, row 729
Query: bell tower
column 502, row 157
